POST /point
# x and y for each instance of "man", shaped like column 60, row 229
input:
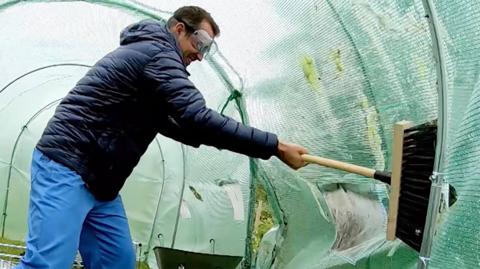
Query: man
column 103, row 126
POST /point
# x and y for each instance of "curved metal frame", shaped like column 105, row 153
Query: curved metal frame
column 41, row 68
column 4, row 212
column 149, row 244
column 177, row 220
column 10, row 164
column 438, row 179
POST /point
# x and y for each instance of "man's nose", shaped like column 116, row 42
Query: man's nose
column 199, row 56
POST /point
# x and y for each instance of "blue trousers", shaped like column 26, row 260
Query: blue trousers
column 64, row 216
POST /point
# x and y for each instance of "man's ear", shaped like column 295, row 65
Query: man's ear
column 179, row 27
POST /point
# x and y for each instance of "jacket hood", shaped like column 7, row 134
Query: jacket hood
column 148, row 30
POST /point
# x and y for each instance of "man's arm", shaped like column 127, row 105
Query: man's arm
column 186, row 105
column 170, row 128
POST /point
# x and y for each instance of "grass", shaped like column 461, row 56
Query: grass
column 265, row 222
column 10, row 250
column 142, row 265
column 17, row 251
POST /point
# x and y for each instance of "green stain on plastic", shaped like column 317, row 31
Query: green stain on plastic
column 374, row 139
column 310, row 72
column 422, row 69
column 337, row 58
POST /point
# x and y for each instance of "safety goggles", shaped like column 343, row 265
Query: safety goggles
column 203, row 42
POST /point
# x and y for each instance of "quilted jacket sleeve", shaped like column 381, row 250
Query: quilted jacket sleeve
column 170, row 128
column 168, row 77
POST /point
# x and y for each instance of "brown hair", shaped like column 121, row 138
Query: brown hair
column 192, row 17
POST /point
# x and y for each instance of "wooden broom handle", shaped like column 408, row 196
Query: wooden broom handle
column 347, row 167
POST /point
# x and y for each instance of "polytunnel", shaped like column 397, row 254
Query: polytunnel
column 331, row 75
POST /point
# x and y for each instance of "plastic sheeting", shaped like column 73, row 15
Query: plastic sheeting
column 333, row 75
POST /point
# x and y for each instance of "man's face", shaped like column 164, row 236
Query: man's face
column 192, row 44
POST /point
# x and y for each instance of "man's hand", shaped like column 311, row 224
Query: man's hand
column 291, row 154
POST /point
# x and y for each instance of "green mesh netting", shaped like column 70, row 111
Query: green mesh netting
column 458, row 242
column 332, row 75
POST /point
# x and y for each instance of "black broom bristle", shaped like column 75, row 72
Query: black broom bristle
column 417, row 167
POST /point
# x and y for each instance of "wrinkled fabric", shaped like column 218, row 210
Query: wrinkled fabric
column 64, row 216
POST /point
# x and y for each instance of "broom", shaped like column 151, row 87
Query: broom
column 412, row 166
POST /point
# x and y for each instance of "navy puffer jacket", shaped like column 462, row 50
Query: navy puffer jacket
column 106, row 122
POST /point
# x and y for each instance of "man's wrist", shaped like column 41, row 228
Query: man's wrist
column 280, row 149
